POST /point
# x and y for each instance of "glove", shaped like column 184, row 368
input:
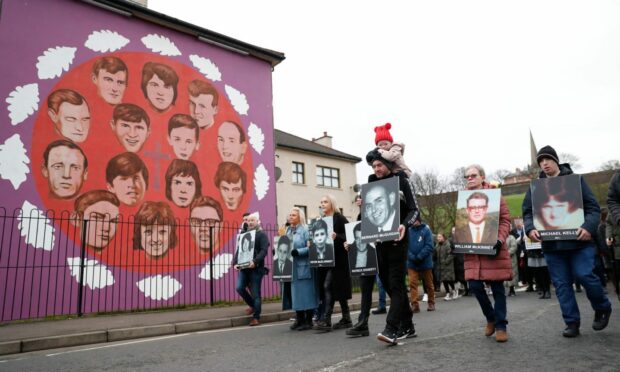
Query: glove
column 294, row 253
column 497, row 247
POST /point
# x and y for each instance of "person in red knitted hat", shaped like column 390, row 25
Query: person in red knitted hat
column 390, row 150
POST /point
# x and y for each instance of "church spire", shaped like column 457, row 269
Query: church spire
column 533, row 152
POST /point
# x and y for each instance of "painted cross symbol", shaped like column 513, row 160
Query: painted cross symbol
column 157, row 156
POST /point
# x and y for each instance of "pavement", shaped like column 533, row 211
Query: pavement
column 26, row 336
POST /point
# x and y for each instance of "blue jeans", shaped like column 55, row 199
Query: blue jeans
column 381, row 293
column 566, row 267
column 494, row 314
column 251, row 278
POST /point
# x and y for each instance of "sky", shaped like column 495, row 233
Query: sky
column 461, row 82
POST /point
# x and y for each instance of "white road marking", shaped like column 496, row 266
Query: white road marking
column 119, row 344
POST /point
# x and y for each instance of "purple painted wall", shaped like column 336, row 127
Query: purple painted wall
column 52, row 45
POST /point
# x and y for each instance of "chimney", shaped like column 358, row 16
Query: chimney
column 325, row 140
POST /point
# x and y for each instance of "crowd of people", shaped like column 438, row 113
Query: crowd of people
column 518, row 256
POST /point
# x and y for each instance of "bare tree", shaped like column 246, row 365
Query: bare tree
column 609, row 165
column 499, row 175
column 434, row 200
column 457, row 180
column 571, row 159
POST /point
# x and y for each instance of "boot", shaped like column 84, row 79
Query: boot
column 307, row 324
column 359, row 329
column 512, row 292
column 345, row 322
column 325, row 324
column 300, row 319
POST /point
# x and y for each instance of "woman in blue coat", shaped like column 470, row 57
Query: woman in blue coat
column 303, row 289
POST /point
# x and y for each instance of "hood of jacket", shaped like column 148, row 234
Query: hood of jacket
column 565, row 170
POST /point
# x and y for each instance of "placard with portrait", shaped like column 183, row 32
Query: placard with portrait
column 380, row 210
column 557, row 204
column 362, row 256
column 477, row 221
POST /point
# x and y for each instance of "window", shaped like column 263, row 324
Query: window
column 303, row 209
column 328, row 177
column 298, row 173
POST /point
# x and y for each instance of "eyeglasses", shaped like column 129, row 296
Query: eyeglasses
column 468, row 176
column 477, row 208
column 197, row 222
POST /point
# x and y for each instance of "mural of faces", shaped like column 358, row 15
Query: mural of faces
column 72, row 121
column 110, row 87
column 155, row 239
column 231, row 143
column 132, row 135
column 102, row 218
column 129, row 189
column 203, row 109
column 183, row 190
column 65, row 169
column 202, row 220
column 232, row 193
column 184, row 142
column 159, row 93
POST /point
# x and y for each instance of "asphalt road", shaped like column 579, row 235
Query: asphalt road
column 449, row 339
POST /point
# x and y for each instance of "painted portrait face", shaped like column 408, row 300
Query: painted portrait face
column 554, row 213
column 159, row 94
column 183, row 190
column 155, row 239
column 319, row 237
column 201, row 108
column 477, row 210
column 128, row 189
column 65, row 172
column 184, row 142
column 232, row 194
column 72, row 121
column 102, row 219
column 229, row 143
column 282, row 252
column 111, row 87
column 132, row 135
column 378, row 205
column 202, row 219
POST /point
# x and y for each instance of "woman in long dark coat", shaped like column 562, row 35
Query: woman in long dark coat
column 335, row 281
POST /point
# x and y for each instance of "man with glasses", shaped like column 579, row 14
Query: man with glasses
column 478, row 230
column 205, row 217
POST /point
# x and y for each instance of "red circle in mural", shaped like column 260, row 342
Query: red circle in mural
column 129, row 155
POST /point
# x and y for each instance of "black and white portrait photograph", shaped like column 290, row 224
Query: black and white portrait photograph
column 380, row 210
column 477, row 221
column 321, row 245
column 558, row 207
column 282, row 267
column 245, row 248
column 362, row 256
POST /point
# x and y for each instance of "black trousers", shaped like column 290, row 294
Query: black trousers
column 392, row 258
column 367, row 284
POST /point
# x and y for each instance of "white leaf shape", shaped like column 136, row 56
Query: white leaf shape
column 23, row 101
column 35, row 227
column 237, row 99
column 257, row 138
column 96, row 274
column 221, row 266
column 105, row 41
column 54, row 61
column 206, row 67
column 261, row 181
column 160, row 44
column 159, row 287
column 14, row 161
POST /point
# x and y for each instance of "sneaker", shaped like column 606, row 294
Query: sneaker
column 448, row 297
column 601, row 319
column 323, row 325
column 304, row 327
column 406, row 332
column 295, row 325
column 455, row 294
column 379, row 311
column 387, row 336
column 571, row 330
column 501, row 335
column 425, row 298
